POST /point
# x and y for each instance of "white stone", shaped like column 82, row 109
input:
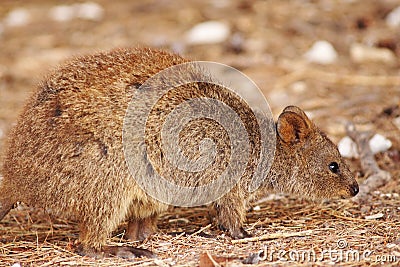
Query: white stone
column 298, row 87
column 62, row 13
column 379, row 143
column 321, row 52
column 209, row 32
column 361, row 53
column 87, row 11
column 16, row 265
column 393, row 18
column 396, row 122
column 374, row 216
column 90, row 11
column 17, row 17
column 257, row 208
column 348, row 148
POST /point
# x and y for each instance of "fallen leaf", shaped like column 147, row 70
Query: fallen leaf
column 208, row 260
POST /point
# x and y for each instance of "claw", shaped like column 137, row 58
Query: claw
column 236, row 233
column 241, row 233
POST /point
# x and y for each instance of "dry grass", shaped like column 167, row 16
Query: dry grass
column 31, row 238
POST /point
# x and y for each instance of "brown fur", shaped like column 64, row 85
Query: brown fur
column 66, row 155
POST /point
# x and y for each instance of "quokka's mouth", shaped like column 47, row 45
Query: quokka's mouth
column 344, row 194
column 352, row 191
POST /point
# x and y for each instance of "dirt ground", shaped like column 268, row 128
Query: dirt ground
column 267, row 42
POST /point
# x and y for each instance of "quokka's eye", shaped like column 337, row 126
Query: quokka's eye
column 334, row 167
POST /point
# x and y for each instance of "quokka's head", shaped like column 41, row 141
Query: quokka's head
column 318, row 169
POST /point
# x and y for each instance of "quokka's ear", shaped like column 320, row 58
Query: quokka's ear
column 298, row 111
column 293, row 125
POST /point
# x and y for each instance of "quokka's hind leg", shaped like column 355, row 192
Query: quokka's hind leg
column 230, row 217
column 93, row 238
column 140, row 229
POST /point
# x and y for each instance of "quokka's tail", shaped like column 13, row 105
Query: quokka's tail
column 6, row 203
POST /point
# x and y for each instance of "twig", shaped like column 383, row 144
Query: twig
column 272, row 236
column 376, row 176
column 201, row 230
column 348, row 218
column 178, row 236
column 254, row 225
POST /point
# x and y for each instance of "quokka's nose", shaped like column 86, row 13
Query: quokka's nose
column 354, row 189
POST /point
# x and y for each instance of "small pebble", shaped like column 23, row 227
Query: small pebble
column 393, row 18
column 348, row 148
column 396, row 122
column 389, row 195
column 257, row 208
column 361, row 53
column 236, row 43
column 87, row 11
column 364, row 209
column 298, row 87
column 209, row 32
column 62, row 13
column 90, row 11
column 16, row 265
column 17, row 17
column 321, row 52
column 379, row 143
